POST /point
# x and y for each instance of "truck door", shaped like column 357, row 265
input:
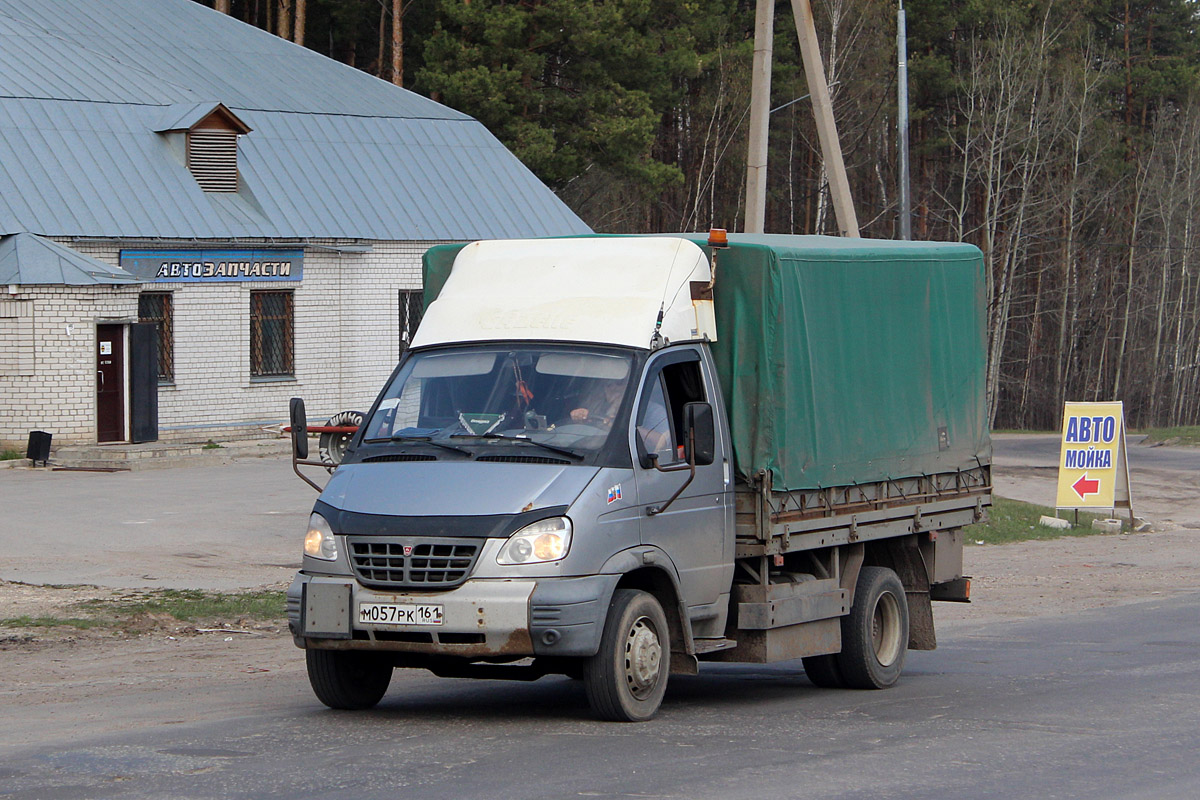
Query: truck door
column 694, row 528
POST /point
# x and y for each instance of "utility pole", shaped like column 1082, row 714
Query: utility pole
column 902, row 124
column 831, row 149
column 760, row 111
column 760, row 105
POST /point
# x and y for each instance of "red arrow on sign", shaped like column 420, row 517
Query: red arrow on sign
column 1084, row 487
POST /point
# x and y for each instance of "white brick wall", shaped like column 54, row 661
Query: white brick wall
column 60, row 396
column 346, row 344
column 17, row 334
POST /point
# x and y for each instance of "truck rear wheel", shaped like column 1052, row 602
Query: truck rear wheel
column 875, row 632
column 626, row 679
column 346, row 679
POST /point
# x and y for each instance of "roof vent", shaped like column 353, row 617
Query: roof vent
column 212, row 133
column 212, row 159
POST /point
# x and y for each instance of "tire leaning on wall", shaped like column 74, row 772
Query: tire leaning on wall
column 333, row 445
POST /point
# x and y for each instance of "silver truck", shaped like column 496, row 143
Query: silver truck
column 613, row 458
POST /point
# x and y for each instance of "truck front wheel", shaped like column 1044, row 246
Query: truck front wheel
column 875, row 632
column 346, row 679
column 626, row 679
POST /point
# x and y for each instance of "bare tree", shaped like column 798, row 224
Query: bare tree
column 1005, row 105
column 301, row 21
column 398, row 42
column 1081, row 98
column 283, row 19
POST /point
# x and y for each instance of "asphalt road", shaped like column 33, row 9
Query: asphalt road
column 1042, row 450
column 1104, row 704
column 184, row 527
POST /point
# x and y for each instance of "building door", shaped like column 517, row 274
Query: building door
column 110, row 383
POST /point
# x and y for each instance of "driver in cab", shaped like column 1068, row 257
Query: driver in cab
column 599, row 408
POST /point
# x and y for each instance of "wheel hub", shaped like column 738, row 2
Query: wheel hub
column 643, row 657
column 885, row 630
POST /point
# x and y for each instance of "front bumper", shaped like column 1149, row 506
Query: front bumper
column 482, row 618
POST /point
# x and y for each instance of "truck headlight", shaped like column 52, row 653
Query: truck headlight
column 319, row 541
column 545, row 540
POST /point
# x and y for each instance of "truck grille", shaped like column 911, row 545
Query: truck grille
column 407, row 563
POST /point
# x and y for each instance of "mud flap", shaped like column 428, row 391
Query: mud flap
column 921, row 635
column 909, row 565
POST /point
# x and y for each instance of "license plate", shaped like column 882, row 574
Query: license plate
column 399, row 614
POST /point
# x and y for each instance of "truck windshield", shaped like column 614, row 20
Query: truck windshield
column 569, row 398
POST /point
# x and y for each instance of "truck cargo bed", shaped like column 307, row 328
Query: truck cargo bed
column 771, row 522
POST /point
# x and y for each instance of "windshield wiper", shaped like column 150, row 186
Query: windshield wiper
column 400, row 437
column 552, row 448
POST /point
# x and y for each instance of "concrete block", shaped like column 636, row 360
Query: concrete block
column 1054, row 522
column 1107, row 525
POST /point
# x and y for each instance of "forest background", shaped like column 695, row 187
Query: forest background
column 1060, row 136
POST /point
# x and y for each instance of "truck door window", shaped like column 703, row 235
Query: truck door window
column 661, row 421
column 654, row 423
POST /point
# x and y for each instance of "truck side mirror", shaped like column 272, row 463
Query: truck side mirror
column 698, row 425
column 299, row 423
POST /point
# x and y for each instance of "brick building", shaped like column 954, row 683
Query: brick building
column 199, row 220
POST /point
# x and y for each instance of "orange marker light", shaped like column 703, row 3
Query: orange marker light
column 717, row 237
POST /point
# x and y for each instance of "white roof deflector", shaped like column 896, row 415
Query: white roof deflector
column 601, row 290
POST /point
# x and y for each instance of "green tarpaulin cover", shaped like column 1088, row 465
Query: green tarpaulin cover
column 851, row 360
column 843, row 361
column 435, row 267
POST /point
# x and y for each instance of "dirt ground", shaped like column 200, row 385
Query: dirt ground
column 1064, row 576
column 50, row 666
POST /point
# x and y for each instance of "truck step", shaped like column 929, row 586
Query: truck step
column 713, row 645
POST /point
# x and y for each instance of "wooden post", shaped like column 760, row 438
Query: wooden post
column 831, row 149
column 760, row 112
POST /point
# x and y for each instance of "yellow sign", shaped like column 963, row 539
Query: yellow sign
column 1092, row 469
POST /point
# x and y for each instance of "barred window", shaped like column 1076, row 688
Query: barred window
column 412, row 305
column 271, row 334
column 157, row 307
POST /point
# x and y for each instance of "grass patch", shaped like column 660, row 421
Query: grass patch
column 143, row 610
column 211, row 445
column 1015, row 521
column 11, row 454
column 192, row 605
column 1189, row 434
column 27, row 621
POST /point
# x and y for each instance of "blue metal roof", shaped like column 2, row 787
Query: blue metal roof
column 26, row 259
column 333, row 152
